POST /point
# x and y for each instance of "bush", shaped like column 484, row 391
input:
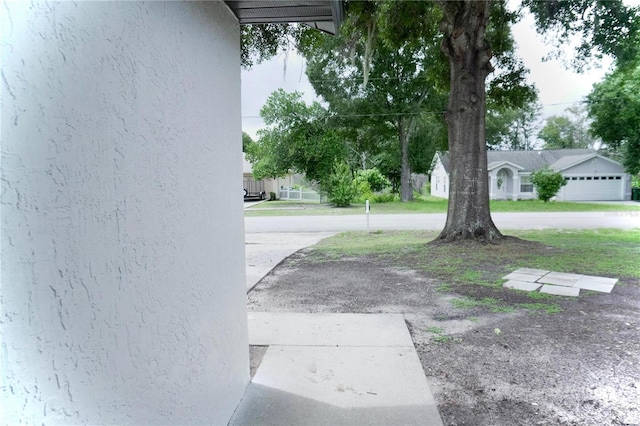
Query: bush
column 272, row 196
column 375, row 180
column 341, row 189
column 547, row 183
column 382, row 198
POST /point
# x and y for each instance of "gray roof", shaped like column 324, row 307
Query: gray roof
column 324, row 15
column 529, row 161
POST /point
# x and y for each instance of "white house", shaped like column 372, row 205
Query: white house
column 123, row 267
column 589, row 175
column 267, row 185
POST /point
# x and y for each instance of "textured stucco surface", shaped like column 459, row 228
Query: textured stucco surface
column 123, row 293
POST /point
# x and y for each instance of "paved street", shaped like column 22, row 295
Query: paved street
column 504, row 221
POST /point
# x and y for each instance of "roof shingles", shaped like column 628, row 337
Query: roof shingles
column 530, row 161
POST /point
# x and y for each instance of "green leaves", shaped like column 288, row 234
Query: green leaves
column 605, row 27
column 567, row 131
column 547, row 183
column 614, row 106
column 298, row 139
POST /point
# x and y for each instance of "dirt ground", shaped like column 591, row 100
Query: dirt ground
column 580, row 366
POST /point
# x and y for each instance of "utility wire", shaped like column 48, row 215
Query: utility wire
column 404, row 114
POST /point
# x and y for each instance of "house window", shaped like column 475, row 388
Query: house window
column 525, row 184
column 618, row 178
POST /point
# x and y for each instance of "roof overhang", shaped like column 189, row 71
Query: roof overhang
column 497, row 164
column 324, row 15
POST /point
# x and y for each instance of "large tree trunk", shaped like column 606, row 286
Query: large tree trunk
column 468, row 215
column 406, row 190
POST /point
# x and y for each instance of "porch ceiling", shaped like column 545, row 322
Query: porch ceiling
column 324, row 15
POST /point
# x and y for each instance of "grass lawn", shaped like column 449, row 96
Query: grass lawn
column 475, row 271
column 425, row 204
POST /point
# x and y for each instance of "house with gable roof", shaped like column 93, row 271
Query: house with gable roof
column 589, row 175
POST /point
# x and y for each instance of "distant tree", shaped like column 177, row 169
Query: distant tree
column 614, row 106
column 429, row 136
column 246, row 141
column 375, row 83
column 547, row 183
column 512, row 128
column 297, row 138
column 567, row 131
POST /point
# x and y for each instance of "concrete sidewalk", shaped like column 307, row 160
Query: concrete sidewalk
column 335, row 369
column 264, row 251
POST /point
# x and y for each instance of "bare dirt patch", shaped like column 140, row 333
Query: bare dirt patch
column 489, row 360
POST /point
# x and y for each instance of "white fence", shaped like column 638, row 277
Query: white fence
column 300, row 195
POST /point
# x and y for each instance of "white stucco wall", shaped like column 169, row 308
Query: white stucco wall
column 123, row 297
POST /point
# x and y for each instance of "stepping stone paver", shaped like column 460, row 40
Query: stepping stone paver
column 560, row 278
column 521, row 285
column 558, row 283
column 522, row 277
column 603, row 280
column 560, row 290
column 601, row 284
column 529, row 271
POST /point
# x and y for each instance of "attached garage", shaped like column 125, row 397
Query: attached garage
column 592, row 177
column 594, row 188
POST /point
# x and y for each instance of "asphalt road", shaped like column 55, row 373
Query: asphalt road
column 504, row 221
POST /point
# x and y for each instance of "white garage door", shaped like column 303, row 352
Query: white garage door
column 593, row 188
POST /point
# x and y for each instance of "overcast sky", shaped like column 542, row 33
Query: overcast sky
column 558, row 87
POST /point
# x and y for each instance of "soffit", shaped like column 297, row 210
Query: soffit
column 325, row 15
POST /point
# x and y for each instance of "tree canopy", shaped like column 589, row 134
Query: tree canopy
column 297, row 139
column 373, row 82
column 614, row 106
column 567, row 131
column 476, row 41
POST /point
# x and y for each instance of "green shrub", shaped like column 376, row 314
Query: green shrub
column 272, row 196
column 376, row 181
column 547, row 183
column 341, row 189
column 382, row 198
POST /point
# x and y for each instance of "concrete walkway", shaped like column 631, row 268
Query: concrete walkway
column 335, row 369
column 264, row 251
column 329, row 369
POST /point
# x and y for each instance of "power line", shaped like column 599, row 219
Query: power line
column 404, row 114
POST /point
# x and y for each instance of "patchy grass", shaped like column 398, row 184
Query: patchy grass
column 425, row 204
column 440, row 337
column 474, row 272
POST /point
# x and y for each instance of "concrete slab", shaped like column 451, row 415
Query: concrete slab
column 601, row 284
column 264, row 251
column 300, row 329
column 560, row 278
column 521, row 285
column 602, row 288
column 560, row 290
column 529, row 271
column 602, row 280
column 310, row 385
column 522, row 277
